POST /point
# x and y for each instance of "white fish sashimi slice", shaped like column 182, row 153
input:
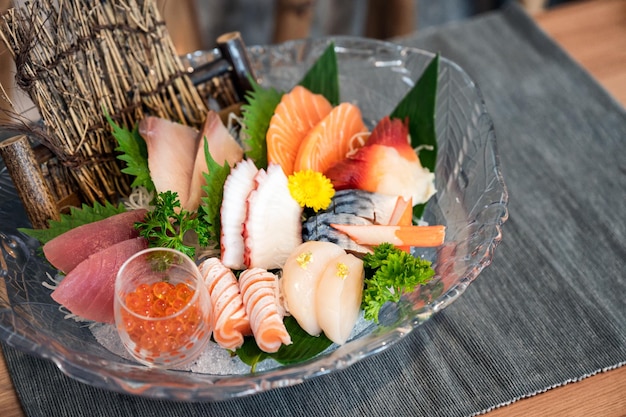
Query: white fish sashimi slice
column 301, row 275
column 273, row 228
column 338, row 297
column 172, row 149
column 222, row 147
column 234, row 211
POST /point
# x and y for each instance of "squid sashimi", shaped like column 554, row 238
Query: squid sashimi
column 69, row 249
column 297, row 113
column 88, row 290
column 331, row 139
column 338, row 297
column 231, row 322
column 301, row 275
column 273, row 226
column 259, row 290
column 172, row 149
column 222, row 147
column 234, row 211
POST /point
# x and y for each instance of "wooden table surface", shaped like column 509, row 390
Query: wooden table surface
column 593, row 32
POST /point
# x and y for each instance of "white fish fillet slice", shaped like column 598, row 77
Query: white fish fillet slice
column 222, row 147
column 170, row 144
column 258, row 289
column 234, row 211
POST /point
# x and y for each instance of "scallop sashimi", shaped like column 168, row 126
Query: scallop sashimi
column 170, row 144
column 296, row 114
column 234, row 211
column 273, row 226
column 301, row 275
column 223, row 148
column 339, row 133
column 69, row 249
column 231, row 322
column 88, row 290
column 338, row 298
column 259, row 290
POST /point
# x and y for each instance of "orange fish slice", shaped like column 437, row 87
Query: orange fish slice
column 296, row 114
column 331, row 139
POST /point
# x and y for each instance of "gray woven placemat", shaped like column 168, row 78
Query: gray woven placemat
column 549, row 310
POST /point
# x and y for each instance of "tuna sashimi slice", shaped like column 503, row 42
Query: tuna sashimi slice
column 68, row 250
column 88, row 290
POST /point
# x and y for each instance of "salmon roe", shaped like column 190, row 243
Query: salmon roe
column 160, row 332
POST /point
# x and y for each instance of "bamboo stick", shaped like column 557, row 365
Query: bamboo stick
column 30, row 184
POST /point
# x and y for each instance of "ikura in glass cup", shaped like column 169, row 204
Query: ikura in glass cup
column 162, row 308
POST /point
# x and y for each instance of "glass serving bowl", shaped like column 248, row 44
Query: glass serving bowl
column 471, row 201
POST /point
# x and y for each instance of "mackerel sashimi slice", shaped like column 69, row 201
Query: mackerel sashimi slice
column 68, row 250
column 88, row 290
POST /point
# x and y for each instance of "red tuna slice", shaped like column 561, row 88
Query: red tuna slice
column 88, row 290
column 68, row 250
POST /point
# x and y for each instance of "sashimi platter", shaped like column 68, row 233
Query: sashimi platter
column 355, row 194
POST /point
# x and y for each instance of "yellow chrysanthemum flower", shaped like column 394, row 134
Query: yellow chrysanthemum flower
column 311, row 189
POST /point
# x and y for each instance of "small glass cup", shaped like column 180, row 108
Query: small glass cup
column 162, row 308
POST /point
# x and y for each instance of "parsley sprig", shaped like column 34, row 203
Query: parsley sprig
column 391, row 272
column 166, row 225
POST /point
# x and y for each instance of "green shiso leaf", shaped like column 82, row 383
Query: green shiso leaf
column 76, row 217
column 209, row 230
column 257, row 114
column 302, row 348
column 419, row 107
column 323, row 77
column 133, row 152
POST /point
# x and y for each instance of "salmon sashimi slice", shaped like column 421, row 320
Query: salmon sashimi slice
column 231, row 321
column 170, row 145
column 234, row 211
column 296, row 114
column 330, row 141
column 69, row 249
column 259, row 289
column 89, row 289
column 223, row 148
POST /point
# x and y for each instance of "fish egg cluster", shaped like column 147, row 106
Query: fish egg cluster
column 160, row 321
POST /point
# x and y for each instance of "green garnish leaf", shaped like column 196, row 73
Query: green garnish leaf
column 257, row 113
column 303, row 347
column 389, row 273
column 134, row 152
column 76, row 217
column 209, row 211
column 419, row 107
column 323, row 77
column 166, row 225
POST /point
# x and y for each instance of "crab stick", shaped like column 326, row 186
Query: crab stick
column 420, row 236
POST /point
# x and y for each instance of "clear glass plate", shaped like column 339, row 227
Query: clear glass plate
column 471, row 201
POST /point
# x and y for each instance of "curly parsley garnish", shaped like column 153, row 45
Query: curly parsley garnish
column 166, row 225
column 391, row 272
